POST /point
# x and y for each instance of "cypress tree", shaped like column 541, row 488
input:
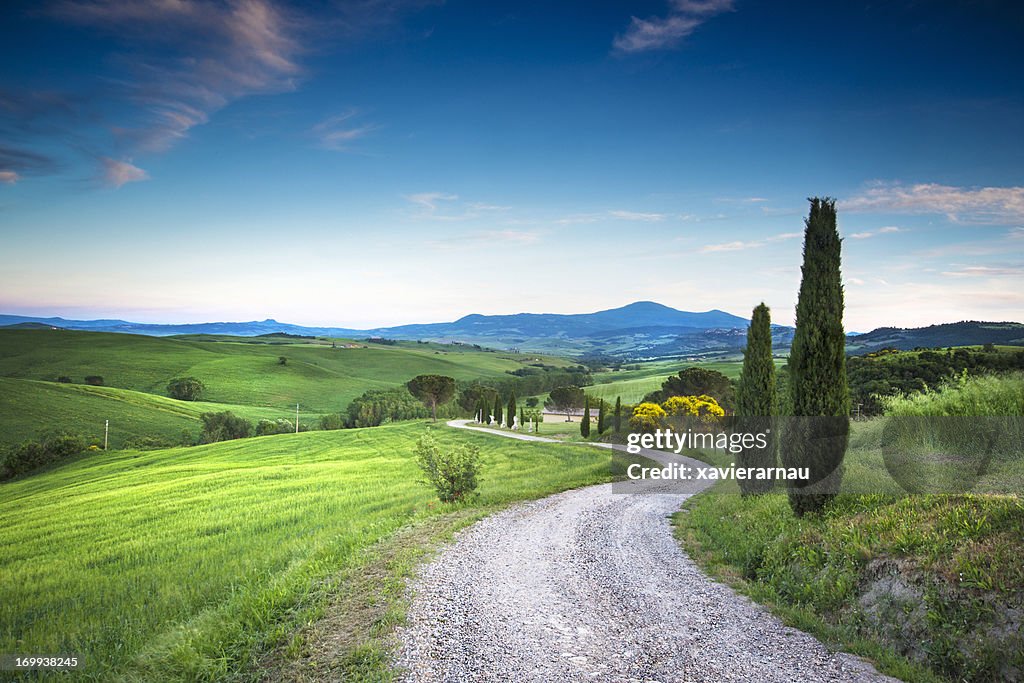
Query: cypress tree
column 617, row 423
column 510, row 415
column 497, row 410
column 819, row 397
column 600, row 417
column 756, row 401
column 585, row 424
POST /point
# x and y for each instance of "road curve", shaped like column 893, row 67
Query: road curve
column 590, row 585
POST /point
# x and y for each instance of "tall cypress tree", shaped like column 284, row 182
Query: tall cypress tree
column 585, row 424
column 756, row 401
column 510, row 414
column 818, row 432
column 617, row 422
column 497, row 410
column 600, row 417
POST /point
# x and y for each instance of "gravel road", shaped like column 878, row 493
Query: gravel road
column 589, row 585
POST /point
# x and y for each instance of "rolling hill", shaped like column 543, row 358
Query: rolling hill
column 241, row 375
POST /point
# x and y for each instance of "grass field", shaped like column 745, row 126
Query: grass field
column 186, row 564
column 926, row 585
column 29, row 408
column 633, row 385
column 241, row 375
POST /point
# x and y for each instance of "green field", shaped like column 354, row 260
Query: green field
column 29, row 408
column 633, row 385
column 242, row 375
column 184, row 564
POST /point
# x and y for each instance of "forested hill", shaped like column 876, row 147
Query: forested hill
column 965, row 333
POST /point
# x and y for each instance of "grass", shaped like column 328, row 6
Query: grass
column 191, row 564
column 240, row 375
column 983, row 395
column 633, row 385
column 320, row 378
column 29, row 408
column 924, row 585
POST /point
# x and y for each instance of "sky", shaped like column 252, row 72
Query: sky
column 381, row 162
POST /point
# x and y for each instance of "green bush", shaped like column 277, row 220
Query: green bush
column 278, row 426
column 94, row 380
column 378, row 406
column 223, row 426
column 185, row 388
column 31, row 455
column 332, row 421
column 452, row 473
column 148, row 443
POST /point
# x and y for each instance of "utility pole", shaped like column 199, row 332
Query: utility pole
column 296, row 418
column 106, row 433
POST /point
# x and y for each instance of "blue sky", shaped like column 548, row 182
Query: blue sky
column 385, row 161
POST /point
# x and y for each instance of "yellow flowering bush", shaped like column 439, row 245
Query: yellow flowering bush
column 647, row 417
column 704, row 407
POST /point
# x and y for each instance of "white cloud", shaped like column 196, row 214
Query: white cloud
column 969, row 205
column 986, row 271
column 753, row 244
column 193, row 58
column 117, row 173
column 659, row 33
column 887, row 230
column 9, row 177
column 637, row 216
column 430, row 200
column 338, row 132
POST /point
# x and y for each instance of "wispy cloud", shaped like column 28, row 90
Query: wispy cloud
column 658, row 33
column 989, row 205
column 889, row 229
column 617, row 214
column 207, row 55
column 740, row 245
column 986, row 271
column 442, row 206
column 637, row 216
column 117, row 173
column 490, row 238
column 9, row 177
column 430, row 200
column 339, row 132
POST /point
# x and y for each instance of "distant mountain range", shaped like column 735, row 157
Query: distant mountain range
column 643, row 329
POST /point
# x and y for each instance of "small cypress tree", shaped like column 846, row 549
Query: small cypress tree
column 497, row 410
column 585, row 424
column 483, row 410
column 600, row 417
column 818, row 432
column 617, row 422
column 756, row 403
column 510, row 415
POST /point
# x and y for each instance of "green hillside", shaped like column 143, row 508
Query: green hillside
column 236, row 373
column 179, row 564
column 29, row 408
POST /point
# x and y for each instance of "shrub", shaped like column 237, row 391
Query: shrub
column 278, row 426
column 94, row 380
column 647, row 417
column 31, row 455
column 377, row 406
column 223, row 426
column 148, row 443
column 332, row 421
column 64, row 379
column 452, row 473
column 282, row 360
column 185, row 388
